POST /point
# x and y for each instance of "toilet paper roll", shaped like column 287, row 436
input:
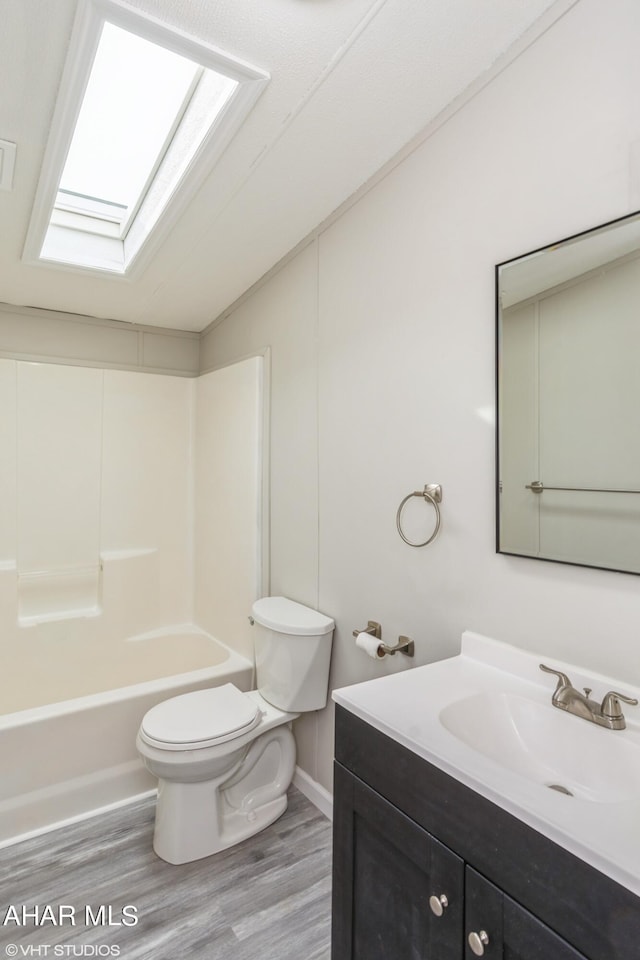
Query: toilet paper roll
column 370, row 645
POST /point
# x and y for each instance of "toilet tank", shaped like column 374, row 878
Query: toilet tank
column 293, row 651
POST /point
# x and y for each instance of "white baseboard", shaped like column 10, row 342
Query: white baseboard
column 314, row 792
column 77, row 818
column 311, row 789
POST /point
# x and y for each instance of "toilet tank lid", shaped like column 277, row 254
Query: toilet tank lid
column 287, row 616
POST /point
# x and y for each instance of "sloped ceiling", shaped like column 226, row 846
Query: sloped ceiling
column 352, row 81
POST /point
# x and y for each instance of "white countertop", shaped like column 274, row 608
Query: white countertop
column 406, row 707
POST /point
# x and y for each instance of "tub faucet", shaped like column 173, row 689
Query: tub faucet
column 606, row 714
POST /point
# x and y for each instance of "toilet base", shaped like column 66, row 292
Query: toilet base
column 196, row 820
column 191, row 845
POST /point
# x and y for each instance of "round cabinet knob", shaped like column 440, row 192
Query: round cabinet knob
column 478, row 941
column 438, row 904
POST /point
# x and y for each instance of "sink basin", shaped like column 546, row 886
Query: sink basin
column 548, row 746
column 484, row 717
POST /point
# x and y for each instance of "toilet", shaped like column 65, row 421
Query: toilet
column 225, row 759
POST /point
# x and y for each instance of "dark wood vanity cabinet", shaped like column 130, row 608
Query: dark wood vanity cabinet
column 421, row 862
column 385, row 871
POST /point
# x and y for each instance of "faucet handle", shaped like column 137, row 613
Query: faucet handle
column 611, row 703
column 563, row 679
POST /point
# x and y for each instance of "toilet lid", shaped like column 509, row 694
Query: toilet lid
column 201, row 718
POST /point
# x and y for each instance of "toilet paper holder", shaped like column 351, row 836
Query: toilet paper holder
column 404, row 645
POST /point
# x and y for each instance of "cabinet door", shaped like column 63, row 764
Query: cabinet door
column 387, row 869
column 498, row 928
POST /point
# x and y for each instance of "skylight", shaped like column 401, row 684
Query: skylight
column 157, row 109
column 136, row 92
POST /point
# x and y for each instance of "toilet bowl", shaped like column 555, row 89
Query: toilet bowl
column 225, row 759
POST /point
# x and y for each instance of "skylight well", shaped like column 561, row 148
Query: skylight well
column 136, row 95
column 156, row 111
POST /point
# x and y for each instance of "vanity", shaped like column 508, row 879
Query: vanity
column 473, row 818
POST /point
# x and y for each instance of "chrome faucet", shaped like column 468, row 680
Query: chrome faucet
column 606, row 714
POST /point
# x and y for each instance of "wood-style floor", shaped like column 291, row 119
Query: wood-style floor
column 265, row 899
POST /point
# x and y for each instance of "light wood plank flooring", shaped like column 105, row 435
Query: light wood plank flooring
column 265, row 899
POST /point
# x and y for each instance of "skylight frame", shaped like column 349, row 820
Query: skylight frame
column 89, row 206
column 128, row 220
column 61, row 245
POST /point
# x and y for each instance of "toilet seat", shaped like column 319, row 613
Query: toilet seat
column 200, row 719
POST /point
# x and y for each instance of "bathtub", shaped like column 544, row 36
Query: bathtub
column 70, row 758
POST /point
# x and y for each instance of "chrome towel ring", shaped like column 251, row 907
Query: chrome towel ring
column 432, row 493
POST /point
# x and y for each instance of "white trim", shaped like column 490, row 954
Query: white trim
column 134, row 254
column 78, row 818
column 83, row 222
column 265, row 479
column 315, row 792
column 131, row 215
column 7, row 164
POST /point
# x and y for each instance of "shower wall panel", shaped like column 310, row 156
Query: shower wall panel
column 59, row 454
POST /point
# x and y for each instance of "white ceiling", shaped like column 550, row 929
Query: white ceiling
column 352, row 81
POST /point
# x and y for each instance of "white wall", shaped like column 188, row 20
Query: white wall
column 285, row 317
column 399, row 293
column 72, row 339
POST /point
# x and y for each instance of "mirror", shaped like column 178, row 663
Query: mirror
column 568, row 380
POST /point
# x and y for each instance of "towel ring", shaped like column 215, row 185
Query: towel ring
column 432, row 493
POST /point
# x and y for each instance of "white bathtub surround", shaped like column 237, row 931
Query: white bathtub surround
column 228, row 500
column 59, row 459
column 73, row 689
column 145, row 524
column 98, row 477
column 101, row 668
column 64, row 594
column 59, row 437
column 66, row 759
column 106, row 521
